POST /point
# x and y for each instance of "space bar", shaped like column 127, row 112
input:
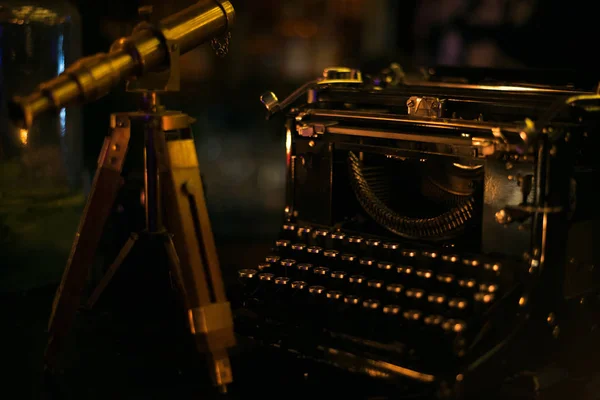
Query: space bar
column 372, row 367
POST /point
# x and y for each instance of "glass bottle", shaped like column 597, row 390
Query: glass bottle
column 41, row 169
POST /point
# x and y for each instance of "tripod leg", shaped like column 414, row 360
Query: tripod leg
column 209, row 311
column 97, row 209
column 114, row 267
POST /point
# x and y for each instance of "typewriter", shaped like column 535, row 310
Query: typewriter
column 426, row 224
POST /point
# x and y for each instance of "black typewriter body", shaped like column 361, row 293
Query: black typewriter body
column 425, row 227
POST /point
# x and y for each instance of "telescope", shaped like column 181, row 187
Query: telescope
column 149, row 49
column 149, row 61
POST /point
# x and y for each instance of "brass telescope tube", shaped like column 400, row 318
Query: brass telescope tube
column 145, row 50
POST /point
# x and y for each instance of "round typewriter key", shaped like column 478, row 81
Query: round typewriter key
column 385, row 270
column 334, row 295
column 367, row 265
column 393, row 291
column 412, row 315
column 424, row 273
column 445, row 278
column 315, row 255
column 351, row 299
column 338, row 279
column 267, row 277
column 355, row 244
column 415, row 297
column 266, row 282
column 264, row 267
column 454, row 325
column 282, row 243
column 349, row 262
column 372, row 247
column 484, row 297
column 433, row 320
column 248, row 280
column 304, row 233
column 247, row 273
column 287, row 265
column 471, row 262
column 320, row 238
column 299, row 293
column 356, row 284
column 375, row 288
column 488, row 287
column 391, row 322
column 404, row 271
column 467, row 285
column 408, row 253
column 391, row 309
column 389, row 251
column 282, row 280
column 299, row 249
column 316, row 290
column 290, row 231
column 494, row 267
column 437, row 302
column 281, row 285
column 273, row 259
column 371, row 304
column 304, row 270
column 338, row 240
column 300, row 285
column 332, row 259
column 450, row 258
column 458, row 307
column 320, row 275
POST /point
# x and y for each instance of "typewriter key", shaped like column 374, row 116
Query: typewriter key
column 445, row 278
column 367, row 266
column 394, row 290
column 290, row 232
column 248, row 279
column 389, row 251
column 338, row 241
column 298, row 251
column 332, row 260
column 349, row 262
column 372, row 247
column 437, row 302
column 320, row 275
column 375, row 288
column 385, row 270
column 315, row 255
column 334, row 295
column 433, row 320
column 356, row 284
column 281, row 286
column 282, row 243
column 320, row 238
column 264, row 267
column 354, row 244
column 338, row 279
column 287, row 265
column 304, row 234
column 458, row 307
column 304, row 271
column 488, row 287
column 272, row 259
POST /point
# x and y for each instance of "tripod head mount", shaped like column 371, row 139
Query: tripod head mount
column 151, row 51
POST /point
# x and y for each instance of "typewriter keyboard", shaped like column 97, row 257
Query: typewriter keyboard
column 358, row 295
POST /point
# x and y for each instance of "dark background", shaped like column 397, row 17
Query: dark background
column 276, row 45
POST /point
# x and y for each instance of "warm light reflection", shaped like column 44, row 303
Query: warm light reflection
column 23, row 136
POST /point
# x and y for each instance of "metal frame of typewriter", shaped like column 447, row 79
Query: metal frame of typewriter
column 527, row 190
